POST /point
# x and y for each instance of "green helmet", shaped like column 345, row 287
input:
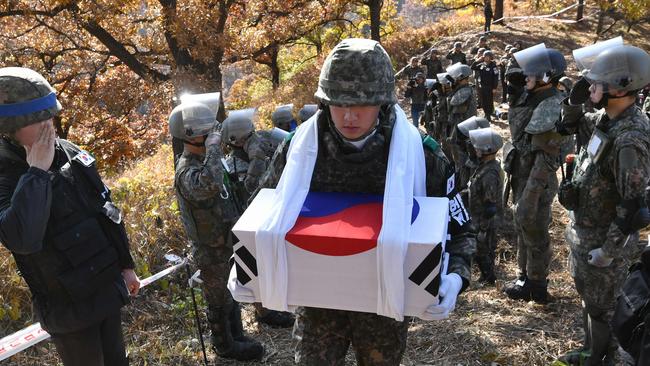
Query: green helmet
column 472, row 123
column 282, row 116
column 486, row 140
column 625, row 68
column 357, row 72
column 238, row 127
column 25, row 98
column 191, row 119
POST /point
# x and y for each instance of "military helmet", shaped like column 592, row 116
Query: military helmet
column 357, row 72
column 191, row 119
column 472, row 123
column 507, row 48
column 307, row 111
column 482, row 38
column 282, row 116
column 25, row 98
column 458, row 72
column 238, row 127
column 558, row 63
column 443, row 79
column 486, row 140
column 488, row 53
column 458, row 45
column 625, row 68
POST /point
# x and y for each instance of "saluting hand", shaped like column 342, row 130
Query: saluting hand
column 41, row 153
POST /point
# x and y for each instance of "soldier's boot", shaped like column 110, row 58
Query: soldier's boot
column 236, row 326
column 486, row 266
column 527, row 290
column 275, row 319
column 603, row 352
column 223, row 342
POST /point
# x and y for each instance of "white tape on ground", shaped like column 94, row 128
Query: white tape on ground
column 23, row 339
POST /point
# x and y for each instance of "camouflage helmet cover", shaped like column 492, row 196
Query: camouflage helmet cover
column 307, row 111
column 25, row 98
column 625, row 68
column 458, row 71
column 357, row 72
column 486, row 140
column 283, row 115
column 191, row 119
column 238, row 126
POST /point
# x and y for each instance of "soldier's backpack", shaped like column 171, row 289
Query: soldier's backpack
column 632, row 316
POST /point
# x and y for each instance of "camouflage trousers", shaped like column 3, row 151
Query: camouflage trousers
column 486, row 248
column 533, row 238
column 598, row 288
column 213, row 263
column 327, row 335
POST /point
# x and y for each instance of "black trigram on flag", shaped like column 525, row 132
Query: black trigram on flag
column 243, row 256
column 428, row 265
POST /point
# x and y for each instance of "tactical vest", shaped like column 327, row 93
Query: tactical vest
column 595, row 181
column 77, row 258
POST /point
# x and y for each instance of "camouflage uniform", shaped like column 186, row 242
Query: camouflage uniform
column 461, row 106
column 207, row 219
column 485, row 190
column 622, row 173
column 534, row 183
column 646, row 105
column 341, row 167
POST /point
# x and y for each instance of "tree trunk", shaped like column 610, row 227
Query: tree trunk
column 601, row 22
column 581, row 10
column 498, row 10
column 375, row 18
column 275, row 68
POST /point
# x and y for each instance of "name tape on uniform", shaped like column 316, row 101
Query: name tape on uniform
column 23, row 339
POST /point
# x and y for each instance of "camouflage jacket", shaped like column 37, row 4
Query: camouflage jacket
column 485, row 189
column 621, row 173
column 341, row 167
column 461, row 104
column 537, row 155
column 207, row 216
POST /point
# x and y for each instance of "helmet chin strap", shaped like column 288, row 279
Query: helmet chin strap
column 197, row 144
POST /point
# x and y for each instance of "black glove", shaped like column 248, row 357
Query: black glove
column 580, row 92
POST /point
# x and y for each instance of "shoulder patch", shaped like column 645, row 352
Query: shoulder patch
column 544, row 117
column 461, row 96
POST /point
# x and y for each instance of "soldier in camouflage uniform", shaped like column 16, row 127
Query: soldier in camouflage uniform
column 533, row 164
column 606, row 190
column 355, row 159
column 465, row 166
column 442, row 111
column 248, row 159
column 461, row 106
column 283, row 119
column 208, row 217
column 485, row 189
column 306, row 112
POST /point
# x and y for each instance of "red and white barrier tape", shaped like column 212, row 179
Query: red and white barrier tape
column 23, row 339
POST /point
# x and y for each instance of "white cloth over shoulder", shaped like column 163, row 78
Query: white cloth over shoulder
column 405, row 178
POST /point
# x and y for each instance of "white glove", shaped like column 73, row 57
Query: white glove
column 450, row 286
column 598, row 258
column 239, row 292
